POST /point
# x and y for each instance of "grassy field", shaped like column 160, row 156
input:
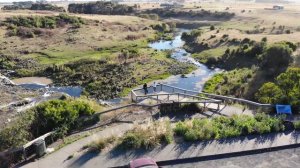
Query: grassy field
column 101, row 33
column 253, row 16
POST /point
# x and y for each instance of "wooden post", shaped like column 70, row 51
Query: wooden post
column 132, row 96
column 24, row 154
column 161, row 86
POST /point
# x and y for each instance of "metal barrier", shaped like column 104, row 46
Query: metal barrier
column 171, row 90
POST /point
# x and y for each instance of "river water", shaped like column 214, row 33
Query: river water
column 196, row 79
column 43, row 83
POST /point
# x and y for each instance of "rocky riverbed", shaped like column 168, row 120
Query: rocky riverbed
column 15, row 99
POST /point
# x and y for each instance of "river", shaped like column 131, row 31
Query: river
column 196, row 79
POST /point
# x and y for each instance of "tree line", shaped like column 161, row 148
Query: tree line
column 33, row 6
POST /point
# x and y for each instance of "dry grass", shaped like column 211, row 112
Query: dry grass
column 255, row 15
column 65, row 45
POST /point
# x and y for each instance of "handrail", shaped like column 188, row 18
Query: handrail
column 222, row 97
column 206, row 94
column 39, row 138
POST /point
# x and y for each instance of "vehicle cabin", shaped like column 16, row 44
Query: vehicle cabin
column 278, row 7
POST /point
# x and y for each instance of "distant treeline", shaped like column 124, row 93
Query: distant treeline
column 33, row 6
column 104, row 8
column 190, row 14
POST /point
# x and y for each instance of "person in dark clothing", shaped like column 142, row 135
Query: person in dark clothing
column 145, row 87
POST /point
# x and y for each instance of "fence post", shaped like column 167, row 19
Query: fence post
column 161, row 86
column 24, row 154
column 132, row 96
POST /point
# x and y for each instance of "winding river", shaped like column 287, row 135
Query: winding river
column 196, row 79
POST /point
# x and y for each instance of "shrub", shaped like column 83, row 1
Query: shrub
column 297, row 125
column 191, row 135
column 131, row 140
column 18, row 133
column 158, row 133
column 224, row 127
column 181, row 128
column 100, row 144
column 212, row 27
column 58, row 114
column 284, row 90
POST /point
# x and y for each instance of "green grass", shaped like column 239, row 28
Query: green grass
column 233, row 82
column 65, row 54
column 207, row 56
column 216, row 53
column 238, row 25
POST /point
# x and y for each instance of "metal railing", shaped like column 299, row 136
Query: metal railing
column 171, row 89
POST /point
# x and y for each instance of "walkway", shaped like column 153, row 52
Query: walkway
column 59, row 158
column 186, row 150
column 169, row 152
column 288, row 158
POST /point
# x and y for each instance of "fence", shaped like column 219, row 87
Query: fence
column 136, row 94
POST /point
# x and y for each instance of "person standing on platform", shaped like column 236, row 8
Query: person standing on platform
column 154, row 87
column 145, row 87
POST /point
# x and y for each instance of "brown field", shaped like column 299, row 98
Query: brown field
column 256, row 17
column 99, row 32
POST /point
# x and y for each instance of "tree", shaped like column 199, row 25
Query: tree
column 264, row 39
column 286, row 90
column 269, row 93
column 289, row 82
column 276, row 57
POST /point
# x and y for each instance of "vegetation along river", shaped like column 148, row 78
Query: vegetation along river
column 193, row 81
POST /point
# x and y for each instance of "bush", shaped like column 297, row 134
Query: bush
column 181, row 128
column 285, row 90
column 131, row 141
column 224, row 127
column 212, row 27
column 158, row 133
column 99, row 145
column 18, row 133
column 58, row 114
column 297, row 125
column 191, row 135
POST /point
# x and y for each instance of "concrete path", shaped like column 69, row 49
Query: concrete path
column 58, row 159
column 176, row 151
column 288, row 158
